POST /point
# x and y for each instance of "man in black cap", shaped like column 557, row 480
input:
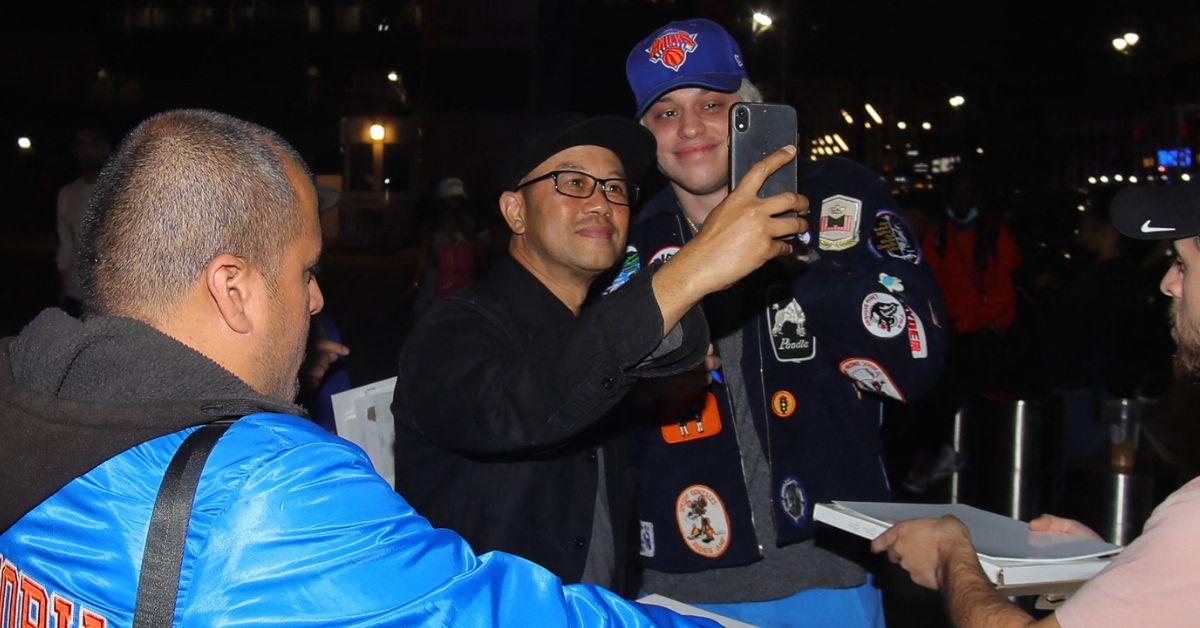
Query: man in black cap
column 1153, row 582
column 506, row 430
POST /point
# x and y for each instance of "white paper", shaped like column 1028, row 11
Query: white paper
column 655, row 599
column 995, row 536
column 363, row 416
column 998, row 533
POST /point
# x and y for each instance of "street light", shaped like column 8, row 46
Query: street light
column 763, row 20
column 957, row 101
column 1131, row 38
column 1104, row 178
column 376, row 132
column 874, row 114
column 1120, row 44
column 24, row 143
column 1132, row 178
column 393, row 77
column 1092, row 180
column 927, row 126
column 902, row 125
column 1185, row 176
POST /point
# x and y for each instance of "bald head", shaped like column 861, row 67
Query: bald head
column 184, row 187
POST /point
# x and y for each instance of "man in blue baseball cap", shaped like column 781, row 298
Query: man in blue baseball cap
column 809, row 351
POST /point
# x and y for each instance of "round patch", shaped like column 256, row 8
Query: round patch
column 792, row 499
column 892, row 237
column 703, row 522
column 883, row 315
column 663, row 254
column 783, row 404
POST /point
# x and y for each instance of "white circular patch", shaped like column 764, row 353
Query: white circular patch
column 703, row 521
column 883, row 315
column 664, row 254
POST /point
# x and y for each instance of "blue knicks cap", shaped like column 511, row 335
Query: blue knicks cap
column 687, row 53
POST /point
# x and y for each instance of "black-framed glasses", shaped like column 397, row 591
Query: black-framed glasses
column 582, row 185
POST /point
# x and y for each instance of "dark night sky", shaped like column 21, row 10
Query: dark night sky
column 1026, row 69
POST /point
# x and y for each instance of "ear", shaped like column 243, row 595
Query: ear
column 512, row 207
column 234, row 287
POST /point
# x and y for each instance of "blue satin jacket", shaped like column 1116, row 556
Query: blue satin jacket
column 290, row 525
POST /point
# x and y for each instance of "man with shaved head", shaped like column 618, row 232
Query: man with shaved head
column 200, row 246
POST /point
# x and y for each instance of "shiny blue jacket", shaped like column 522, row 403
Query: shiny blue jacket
column 290, row 525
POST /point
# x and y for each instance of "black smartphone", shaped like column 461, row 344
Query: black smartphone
column 755, row 131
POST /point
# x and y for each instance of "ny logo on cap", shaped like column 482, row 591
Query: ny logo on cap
column 671, row 48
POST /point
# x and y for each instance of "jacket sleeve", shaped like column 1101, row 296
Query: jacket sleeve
column 875, row 306
column 311, row 534
column 469, row 383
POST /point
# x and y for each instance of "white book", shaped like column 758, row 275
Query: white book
column 1009, row 552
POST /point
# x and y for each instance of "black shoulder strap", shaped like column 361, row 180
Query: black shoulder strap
column 158, row 585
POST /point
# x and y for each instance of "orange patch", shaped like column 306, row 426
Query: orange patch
column 783, row 404
column 695, row 426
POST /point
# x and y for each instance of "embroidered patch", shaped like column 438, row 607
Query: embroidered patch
column 894, row 238
column 663, row 254
column 647, row 539
column 671, row 49
column 783, row 404
column 916, row 335
column 786, row 324
column 893, row 284
column 703, row 521
column 703, row 422
column 883, row 315
column 869, row 376
column 838, row 229
column 629, row 267
column 792, row 500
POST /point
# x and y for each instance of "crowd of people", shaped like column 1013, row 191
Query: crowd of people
column 639, row 396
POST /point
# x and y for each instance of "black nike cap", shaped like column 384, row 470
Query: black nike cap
column 1158, row 212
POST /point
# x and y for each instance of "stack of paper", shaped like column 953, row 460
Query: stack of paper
column 1009, row 552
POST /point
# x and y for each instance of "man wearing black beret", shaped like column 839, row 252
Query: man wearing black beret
column 504, row 403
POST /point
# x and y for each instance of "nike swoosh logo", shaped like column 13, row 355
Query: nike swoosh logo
column 1146, row 228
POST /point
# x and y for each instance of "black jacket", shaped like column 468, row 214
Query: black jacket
column 503, row 395
column 817, row 359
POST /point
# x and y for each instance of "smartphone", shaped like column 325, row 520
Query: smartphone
column 755, row 131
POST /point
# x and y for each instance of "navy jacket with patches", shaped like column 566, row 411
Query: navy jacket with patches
column 807, row 335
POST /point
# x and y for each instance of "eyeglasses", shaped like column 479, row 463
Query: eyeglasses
column 582, row 185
